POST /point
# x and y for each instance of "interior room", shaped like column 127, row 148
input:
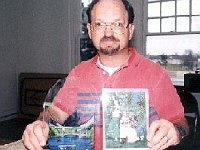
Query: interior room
column 41, row 41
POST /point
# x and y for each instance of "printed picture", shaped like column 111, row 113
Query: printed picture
column 62, row 137
column 125, row 118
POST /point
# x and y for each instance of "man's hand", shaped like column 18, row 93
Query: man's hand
column 162, row 134
column 35, row 135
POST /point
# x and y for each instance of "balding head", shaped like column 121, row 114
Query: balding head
column 126, row 4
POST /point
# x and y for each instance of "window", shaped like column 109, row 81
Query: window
column 173, row 34
column 174, row 16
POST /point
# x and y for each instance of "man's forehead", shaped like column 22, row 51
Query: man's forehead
column 113, row 3
column 109, row 7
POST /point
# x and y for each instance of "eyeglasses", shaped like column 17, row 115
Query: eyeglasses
column 117, row 27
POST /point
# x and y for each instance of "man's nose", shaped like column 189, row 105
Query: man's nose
column 108, row 31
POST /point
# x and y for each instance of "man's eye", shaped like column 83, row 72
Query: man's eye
column 98, row 24
column 118, row 24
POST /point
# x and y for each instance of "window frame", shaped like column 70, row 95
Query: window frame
column 175, row 16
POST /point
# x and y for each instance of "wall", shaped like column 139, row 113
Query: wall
column 35, row 36
column 8, row 50
column 47, row 29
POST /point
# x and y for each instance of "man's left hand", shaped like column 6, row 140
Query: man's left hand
column 162, row 134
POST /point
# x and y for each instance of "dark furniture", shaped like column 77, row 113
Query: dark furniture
column 191, row 103
column 192, row 82
column 33, row 88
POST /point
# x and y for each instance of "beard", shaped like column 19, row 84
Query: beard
column 109, row 49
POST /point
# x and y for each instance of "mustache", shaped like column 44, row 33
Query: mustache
column 110, row 38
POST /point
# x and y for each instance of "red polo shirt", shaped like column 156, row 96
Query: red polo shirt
column 82, row 89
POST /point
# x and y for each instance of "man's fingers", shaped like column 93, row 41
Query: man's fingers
column 169, row 143
column 35, row 135
column 33, row 138
column 26, row 141
column 41, row 133
column 160, row 134
column 164, row 143
column 152, row 130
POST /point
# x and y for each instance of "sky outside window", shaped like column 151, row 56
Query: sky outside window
column 173, row 44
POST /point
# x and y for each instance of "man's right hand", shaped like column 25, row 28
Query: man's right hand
column 35, row 135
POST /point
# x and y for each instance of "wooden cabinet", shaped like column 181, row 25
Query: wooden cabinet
column 33, row 88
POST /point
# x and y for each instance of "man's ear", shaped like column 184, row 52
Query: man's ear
column 89, row 29
column 131, row 30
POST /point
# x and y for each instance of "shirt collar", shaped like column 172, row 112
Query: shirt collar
column 134, row 59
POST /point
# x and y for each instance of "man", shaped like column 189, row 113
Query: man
column 110, row 26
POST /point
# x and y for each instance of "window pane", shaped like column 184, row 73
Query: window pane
column 183, row 7
column 168, row 24
column 154, row 10
column 168, row 8
column 153, row 25
column 195, row 7
column 183, row 24
column 196, row 23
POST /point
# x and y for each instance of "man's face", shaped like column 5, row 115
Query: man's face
column 109, row 28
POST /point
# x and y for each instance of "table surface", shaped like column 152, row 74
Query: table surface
column 17, row 145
